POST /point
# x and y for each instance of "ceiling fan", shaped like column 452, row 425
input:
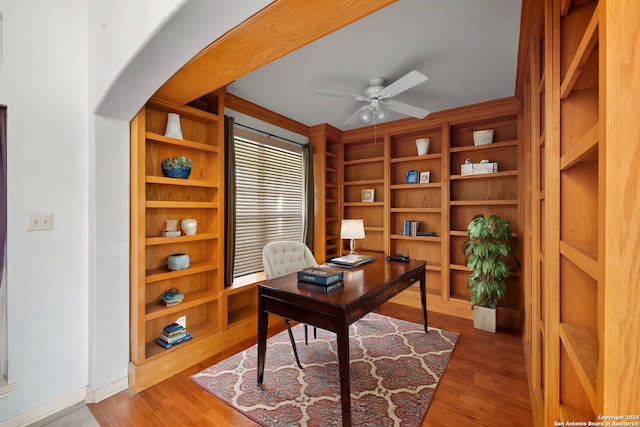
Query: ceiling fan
column 378, row 99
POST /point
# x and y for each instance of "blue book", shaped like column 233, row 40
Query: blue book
column 174, row 327
column 165, row 344
column 320, row 288
column 320, row 275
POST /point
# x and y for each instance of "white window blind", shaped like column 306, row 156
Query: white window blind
column 269, row 200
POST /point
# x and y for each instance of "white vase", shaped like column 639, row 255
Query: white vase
column 173, row 126
column 189, row 226
column 423, row 146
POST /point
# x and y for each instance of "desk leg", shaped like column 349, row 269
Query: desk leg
column 343, row 367
column 423, row 298
column 263, row 324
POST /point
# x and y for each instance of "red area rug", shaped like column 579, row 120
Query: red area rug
column 395, row 369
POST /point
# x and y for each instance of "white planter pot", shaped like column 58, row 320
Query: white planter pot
column 484, row 318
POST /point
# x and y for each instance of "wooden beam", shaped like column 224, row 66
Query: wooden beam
column 279, row 29
column 249, row 108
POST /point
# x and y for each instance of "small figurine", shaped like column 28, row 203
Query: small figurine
column 172, row 225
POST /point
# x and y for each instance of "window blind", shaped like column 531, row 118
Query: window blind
column 269, row 200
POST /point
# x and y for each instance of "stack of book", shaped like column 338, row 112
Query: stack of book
column 320, row 275
column 172, row 335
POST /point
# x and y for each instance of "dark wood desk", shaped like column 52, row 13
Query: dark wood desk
column 365, row 289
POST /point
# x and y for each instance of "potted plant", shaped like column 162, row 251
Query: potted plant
column 486, row 250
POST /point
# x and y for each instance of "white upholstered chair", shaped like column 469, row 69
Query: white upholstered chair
column 284, row 257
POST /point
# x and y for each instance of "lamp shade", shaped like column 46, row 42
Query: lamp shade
column 352, row 229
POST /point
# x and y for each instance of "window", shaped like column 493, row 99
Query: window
column 269, row 197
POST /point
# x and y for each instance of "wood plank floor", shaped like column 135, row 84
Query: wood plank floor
column 485, row 384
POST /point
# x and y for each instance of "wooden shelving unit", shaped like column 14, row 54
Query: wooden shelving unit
column 485, row 194
column 444, row 205
column 578, row 186
column 213, row 313
column 327, row 165
column 363, row 168
column 421, row 202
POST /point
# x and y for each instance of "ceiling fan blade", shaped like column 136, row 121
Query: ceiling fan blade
column 409, row 80
column 409, row 110
column 354, row 116
column 340, row 94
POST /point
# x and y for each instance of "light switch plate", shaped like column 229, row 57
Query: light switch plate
column 40, row 221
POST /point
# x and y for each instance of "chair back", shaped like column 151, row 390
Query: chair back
column 284, row 257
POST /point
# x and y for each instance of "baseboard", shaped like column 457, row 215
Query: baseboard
column 94, row 396
column 66, row 403
column 46, row 410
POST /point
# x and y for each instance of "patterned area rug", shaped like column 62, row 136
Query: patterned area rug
column 395, row 369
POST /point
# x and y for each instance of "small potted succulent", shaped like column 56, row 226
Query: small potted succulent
column 177, row 167
column 486, row 250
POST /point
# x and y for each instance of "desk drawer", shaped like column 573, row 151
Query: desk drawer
column 388, row 293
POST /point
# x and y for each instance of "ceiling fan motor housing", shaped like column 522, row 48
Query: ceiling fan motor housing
column 375, row 88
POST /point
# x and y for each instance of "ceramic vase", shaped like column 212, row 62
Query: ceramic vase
column 178, row 262
column 189, row 226
column 173, row 126
column 423, row 146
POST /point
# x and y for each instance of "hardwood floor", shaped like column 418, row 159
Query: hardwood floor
column 485, row 384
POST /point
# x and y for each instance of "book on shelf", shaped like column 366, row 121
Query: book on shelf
column 172, row 339
column 165, row 344
column 411, row 227
column 351, row 261
column 309, row 286
column 320, row 275
column 172, row 330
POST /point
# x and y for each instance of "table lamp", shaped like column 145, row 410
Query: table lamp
column 352, row 229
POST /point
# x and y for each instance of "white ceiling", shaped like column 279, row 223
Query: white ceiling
column 467, row 48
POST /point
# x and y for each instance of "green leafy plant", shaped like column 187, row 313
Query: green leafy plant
column 179, row 161
column 486, row 250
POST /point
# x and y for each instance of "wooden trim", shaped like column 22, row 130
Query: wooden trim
column 261, row 39
column 531, row 22
column 137, row 238
column 551, row 275
column 249, row 108
column 619, row 295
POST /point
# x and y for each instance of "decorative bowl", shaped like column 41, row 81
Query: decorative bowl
column 483, row 137
column 178, row 261
column 172, row 297
column 177, row 167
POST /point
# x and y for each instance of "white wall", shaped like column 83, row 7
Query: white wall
column 117, row 31
column 69, row 286
column 68, row 289
column 44, row 85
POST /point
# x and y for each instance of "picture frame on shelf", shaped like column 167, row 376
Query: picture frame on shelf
column 425, row 177
column 411, row 177
column 368, row 195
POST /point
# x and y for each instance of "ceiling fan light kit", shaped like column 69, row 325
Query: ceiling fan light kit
column 378, row 98
column 373, row 113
